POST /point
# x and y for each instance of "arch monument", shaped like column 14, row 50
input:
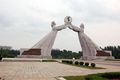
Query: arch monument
column 43, row 48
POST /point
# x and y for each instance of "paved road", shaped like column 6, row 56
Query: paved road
column 44, row 70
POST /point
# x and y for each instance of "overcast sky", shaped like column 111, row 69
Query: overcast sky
column 24, row 22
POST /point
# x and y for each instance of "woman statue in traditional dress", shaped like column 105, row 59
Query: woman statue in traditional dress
column 47, row 42
column 89, row 48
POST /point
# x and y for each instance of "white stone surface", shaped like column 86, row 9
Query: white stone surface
column 47, row 42
column 89, row 48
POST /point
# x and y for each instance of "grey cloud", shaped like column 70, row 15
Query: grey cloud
column 93, row 10
column 5, row 21
column 24, row 21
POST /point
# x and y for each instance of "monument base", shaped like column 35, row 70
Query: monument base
column 34, row 56
column 46, row 57
column 104, row 58
column 88, row 58
column 104, row 54
column 98, row 58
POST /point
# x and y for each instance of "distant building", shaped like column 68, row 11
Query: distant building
column 5, row 47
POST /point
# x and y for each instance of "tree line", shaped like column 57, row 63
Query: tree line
column 62, row 54
column 115, row 51
column 65, row 54
column 9, row 53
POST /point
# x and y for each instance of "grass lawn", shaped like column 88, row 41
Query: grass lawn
column 75, row 78
column 98, row 76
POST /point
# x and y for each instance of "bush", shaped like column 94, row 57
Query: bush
column 76, row 62
column 81, row 63
column 86, row 64
column 70, row 62
column 93, row 65
column 67, row 62
column 49, row 61
column 0, row 58
column 64, row 61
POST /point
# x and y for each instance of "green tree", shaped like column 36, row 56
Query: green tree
column 115, row 51
column 9, row 53
column 65, row 54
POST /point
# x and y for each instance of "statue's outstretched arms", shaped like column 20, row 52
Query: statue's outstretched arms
column 74, row 28
column 70, row 26
column 58, row 28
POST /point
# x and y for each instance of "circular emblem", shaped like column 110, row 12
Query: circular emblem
column 68, row 19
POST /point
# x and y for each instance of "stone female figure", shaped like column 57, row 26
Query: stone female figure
column 89, row 48
column 47, row 42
